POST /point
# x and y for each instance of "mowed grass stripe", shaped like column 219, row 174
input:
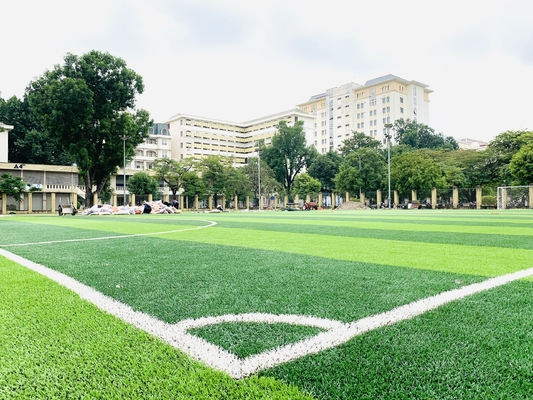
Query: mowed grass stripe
column 478, row 260
column 176, row 280
column 491, row 240
column 467, row 225
column 55, row 345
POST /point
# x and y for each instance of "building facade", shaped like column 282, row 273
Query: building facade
column 4, row 135
column 329, row 118
column 200, row 137
column 365, row 108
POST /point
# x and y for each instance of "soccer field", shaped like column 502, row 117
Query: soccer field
column 377, row 304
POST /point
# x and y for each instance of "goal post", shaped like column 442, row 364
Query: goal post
column 514, row 197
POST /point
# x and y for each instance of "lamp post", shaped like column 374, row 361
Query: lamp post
column 387, row 135
column 359, row 157
column 124, row 169
column 258, row 175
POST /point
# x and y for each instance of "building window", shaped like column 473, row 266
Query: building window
column 401, row 99
column 401, row 110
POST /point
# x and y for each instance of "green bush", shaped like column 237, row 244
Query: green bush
column 488, row 200
column 11, row 207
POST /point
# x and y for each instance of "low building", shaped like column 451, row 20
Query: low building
column 472, row 144
column 58, row 184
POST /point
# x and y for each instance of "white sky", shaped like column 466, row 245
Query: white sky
column 238, row 60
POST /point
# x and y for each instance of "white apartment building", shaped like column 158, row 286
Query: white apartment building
column 200, row 137
column 365, row 108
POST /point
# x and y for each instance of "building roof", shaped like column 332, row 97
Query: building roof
column 390, row 77
column 242, row 124
column 317, row 96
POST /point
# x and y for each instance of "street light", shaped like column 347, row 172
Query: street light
column 258, row 174
column 387, row 135
column 359, row 156
column 124, row 170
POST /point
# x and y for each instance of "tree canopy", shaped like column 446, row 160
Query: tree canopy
column 305, row 184
column 143, row 184
column 501, row 151
column 357, row 141
column 288, row 154
column 172, row 172
column 14, row 186
column 87, row 105
column 420, row 136
column 362, row 170
column 416, row 170
column 324, row 167
column 269, row 184
column 521, row 166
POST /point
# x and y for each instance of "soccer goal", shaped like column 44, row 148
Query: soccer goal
column 514, row 197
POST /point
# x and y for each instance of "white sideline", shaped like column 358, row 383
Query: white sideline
column 211, row 223
column 336, row 332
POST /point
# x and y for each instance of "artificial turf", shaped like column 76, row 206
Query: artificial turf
column 53, row 345
column 342, row 266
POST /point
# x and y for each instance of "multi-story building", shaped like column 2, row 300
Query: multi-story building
column 200, row 137
column 365, row 108
column 329, row 118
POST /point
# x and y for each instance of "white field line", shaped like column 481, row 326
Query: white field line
column 336, row 332
column 211, row 223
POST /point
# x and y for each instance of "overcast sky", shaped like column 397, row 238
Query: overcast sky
column 238, row 60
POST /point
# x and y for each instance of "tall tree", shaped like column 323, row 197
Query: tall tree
column 217, row 176
column 362, row 170
column 288, row 154
column 143, row 184
column 269, row 184
column 357, row 141
column 192, row 184
column 324, row 168
column 88, row 105
column 172, row 171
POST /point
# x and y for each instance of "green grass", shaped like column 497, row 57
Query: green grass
column 336, row 265
column 54, row 345
column 245, row 339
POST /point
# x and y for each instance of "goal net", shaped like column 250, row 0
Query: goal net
column 514, row 197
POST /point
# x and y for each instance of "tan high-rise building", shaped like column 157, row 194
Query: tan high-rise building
column 365, row 108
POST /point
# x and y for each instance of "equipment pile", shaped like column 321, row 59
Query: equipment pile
column 152, row 207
